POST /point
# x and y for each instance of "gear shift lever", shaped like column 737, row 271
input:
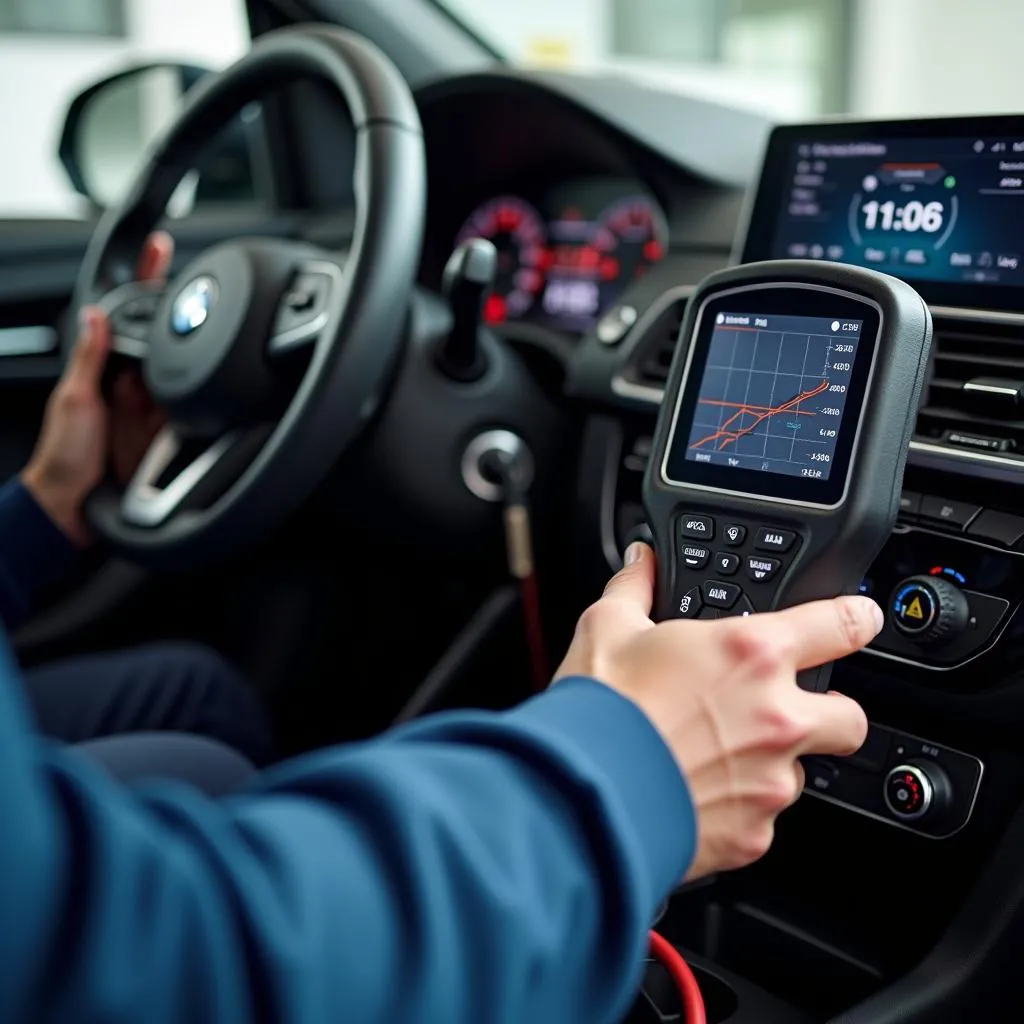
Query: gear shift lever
column 468, row 280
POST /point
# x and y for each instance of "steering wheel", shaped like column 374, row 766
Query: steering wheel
column 247, row 442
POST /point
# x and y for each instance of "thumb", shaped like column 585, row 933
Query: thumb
column 91, row 349
column 634, row 582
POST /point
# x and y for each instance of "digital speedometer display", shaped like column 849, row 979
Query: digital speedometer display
column 937, row 202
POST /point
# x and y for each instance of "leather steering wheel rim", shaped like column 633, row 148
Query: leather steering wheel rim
column 354, row 353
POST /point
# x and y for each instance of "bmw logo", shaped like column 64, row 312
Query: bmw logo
column 192, row 306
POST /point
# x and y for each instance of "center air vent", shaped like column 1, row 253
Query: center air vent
column 656, row 337
column 975, row 396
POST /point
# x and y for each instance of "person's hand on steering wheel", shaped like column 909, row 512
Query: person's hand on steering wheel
column 724, row 697
column 82, row 434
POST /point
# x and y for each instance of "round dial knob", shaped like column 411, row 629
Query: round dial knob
column 928, row 609
column 916, row 788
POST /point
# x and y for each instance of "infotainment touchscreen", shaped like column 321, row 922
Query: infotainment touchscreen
column 771, row 400
column 939, row 203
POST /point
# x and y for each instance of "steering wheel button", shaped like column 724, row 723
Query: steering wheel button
column 726, row 563
column 695, row 556
column 690, row 604
column 760, row 569
column 770, row 539
column 696, row 527
column 300, row 299
column 720, row 595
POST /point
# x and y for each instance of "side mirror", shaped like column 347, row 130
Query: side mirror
column 110, row 126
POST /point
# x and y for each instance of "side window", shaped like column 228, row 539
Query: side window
column 147, row 54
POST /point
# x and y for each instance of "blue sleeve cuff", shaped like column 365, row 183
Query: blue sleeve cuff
column 33, row 551
column 640, row 772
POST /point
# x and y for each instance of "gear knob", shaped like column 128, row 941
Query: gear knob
column 467, row 282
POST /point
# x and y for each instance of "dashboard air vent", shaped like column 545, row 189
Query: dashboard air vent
column 651, row 358
column 975, row 395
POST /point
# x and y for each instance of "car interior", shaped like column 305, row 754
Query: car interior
column 331, row 516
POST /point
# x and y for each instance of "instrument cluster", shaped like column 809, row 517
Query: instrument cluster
column 566, row 256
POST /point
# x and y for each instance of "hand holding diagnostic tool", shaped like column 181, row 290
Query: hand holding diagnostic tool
column 783, row 436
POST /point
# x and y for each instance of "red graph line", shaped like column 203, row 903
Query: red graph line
column 760, row 412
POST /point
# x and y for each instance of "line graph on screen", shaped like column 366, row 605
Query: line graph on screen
column 734, row 428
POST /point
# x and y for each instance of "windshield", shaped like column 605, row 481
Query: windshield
column 790, row 59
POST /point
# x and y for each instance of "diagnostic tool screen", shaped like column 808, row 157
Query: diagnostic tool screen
column 773, row 394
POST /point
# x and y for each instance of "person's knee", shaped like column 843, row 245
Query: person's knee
column 223, row 705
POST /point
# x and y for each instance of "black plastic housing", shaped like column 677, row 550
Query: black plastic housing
column 835, row 545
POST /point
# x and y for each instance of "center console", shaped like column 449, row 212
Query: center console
column 893, row 888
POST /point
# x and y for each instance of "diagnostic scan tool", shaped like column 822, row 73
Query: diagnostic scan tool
column 783, row 436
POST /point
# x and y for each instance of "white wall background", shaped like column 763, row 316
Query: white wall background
column 909, row 57
column 939, row 57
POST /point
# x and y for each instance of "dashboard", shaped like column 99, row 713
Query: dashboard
column 565, row 255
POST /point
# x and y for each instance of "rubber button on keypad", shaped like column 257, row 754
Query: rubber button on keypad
column 720, row 595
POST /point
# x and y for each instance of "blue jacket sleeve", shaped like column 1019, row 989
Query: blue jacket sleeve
column 471, row 867
column 33, row 552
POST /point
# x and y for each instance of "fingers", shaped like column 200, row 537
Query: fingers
column 91, row 350
column 840, row 725
column 824, row 631
column 156, row 256
column 634, row 582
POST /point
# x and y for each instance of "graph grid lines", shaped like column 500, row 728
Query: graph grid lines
column 771, row 400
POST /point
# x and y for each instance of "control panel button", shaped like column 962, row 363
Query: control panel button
column 726, row 563
column 689, row 604
column 760, row 569
column 910, row 503
column 695, row 556
column 916, row 788
column 952, row 513
column 734, row 535
column 997, row 526
column 741, row 607
column 908, row 792
column 914, row 608
column 770, row 539
column 720, row 595
column 929, row 609
column 696, row 527
column 709, row 613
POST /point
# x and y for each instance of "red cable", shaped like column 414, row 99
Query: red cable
column 534, row 631
column 679, row 970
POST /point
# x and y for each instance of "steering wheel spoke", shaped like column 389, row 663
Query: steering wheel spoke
column 306, row 308
column 175, row 473
column 131, row 309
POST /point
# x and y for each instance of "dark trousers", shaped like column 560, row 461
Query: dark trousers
column 212, row 728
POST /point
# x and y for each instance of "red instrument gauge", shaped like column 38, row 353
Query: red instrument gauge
column 518, row 232
column 630, row 236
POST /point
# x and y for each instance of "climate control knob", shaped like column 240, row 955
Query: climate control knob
column 916, row 788
column 928, row 609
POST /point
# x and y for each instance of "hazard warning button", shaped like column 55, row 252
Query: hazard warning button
column 914, row 608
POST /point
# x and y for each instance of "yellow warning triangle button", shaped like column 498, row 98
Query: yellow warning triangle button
column 915, row 611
